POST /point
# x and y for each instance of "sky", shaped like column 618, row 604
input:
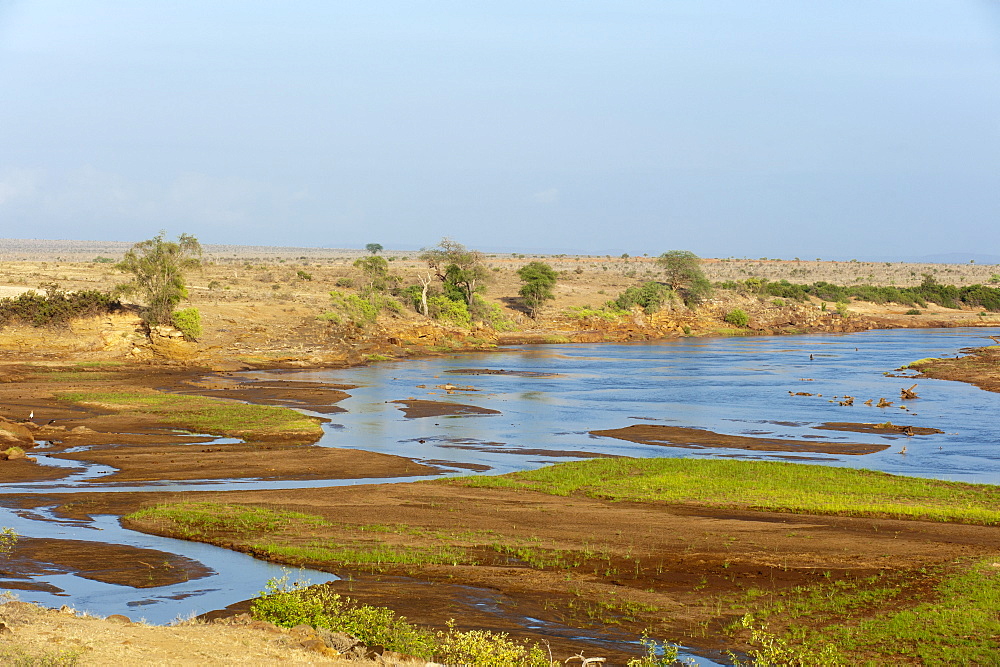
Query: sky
column 781, row 128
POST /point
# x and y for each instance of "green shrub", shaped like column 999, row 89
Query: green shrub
column 447, row 310
column 737, row 317
column 355, row 309
column 188, row 322
column 913, row 311
column 55, row 307
column 650, row 296
column 490, row 314
column 344, row 282
column 303, row 275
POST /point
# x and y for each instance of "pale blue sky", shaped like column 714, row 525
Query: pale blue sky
column 832, row 128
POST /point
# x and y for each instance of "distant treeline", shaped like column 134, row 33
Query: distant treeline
column 55, row 307
column 929, row 291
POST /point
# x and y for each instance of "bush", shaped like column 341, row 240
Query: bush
column 55, row 307
column 650, row 296
column 445, row 309
column 344, row 282
column 913, row 311
column 302, row 275
column 737, row 317
column 188, row 322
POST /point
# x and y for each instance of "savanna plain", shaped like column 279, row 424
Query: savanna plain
column 763, row 561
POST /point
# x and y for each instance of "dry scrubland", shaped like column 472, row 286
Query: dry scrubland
column 271, row 276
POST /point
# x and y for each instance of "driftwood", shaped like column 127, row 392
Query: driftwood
column 908, row 394
column 882, row 403
column 848, row 400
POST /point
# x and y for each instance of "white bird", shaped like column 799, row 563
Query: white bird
column 31, row 415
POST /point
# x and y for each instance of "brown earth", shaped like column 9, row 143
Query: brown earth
column 980, row 366
column 696, row 438
column 416, row 408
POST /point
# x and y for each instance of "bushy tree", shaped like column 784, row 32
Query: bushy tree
column 373, row 248
column 376, row 270
column 461, row 270
column 539, row 278
column 157, row 267
column 682, row 267
column 683, row 273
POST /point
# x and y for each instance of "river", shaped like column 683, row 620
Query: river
column 549, row 398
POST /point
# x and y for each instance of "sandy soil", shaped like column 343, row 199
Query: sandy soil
column 33, row 635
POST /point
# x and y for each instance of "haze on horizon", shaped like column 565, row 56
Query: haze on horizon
column 780, row 129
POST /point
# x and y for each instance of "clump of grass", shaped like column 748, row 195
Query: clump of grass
column 196, row 520
column 202, row 414
column 763, row 485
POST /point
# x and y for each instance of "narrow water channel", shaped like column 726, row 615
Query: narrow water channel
column 548, row 400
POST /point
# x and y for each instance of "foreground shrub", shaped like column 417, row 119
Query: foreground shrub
column 737, row 317
column 188, row 322
column 290, row 604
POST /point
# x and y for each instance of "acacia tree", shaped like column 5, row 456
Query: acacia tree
column 376, row 270
column 461, row 270
column 684, row 274
column 157, row 267
column 373, row 248
column 682, row 267
column 539, row 278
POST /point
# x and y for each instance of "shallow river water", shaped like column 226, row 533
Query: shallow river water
column 550, row 397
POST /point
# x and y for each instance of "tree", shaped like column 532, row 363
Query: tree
column 373, row 248
column 461, row 270
column 158, row 267
column 539, row 278
column 682, row 267
column 376, row 270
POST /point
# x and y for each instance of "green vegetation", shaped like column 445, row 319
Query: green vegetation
column 684, row 275
column 197, row 520
column 929, row 291
column 188, row 322
column 912, row 311
column 19, row 657
column 650, row 296
column 302, row 275
column 373, row 248
column 584, row 313
column 737, row 317
column 539, row 278
column 771, row 486
column 294, row 604
column 943, row 616
column 157, row 267
column 358, row 310
column 8, row 538
column 203, row 414
column 55, row 307
column 460, row 270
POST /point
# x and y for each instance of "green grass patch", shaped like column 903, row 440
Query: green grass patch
column 919, row 362
column 759, row 485
column 932, row 618
column 330, row 552
column 75, row 376
column 202, row 414
column 197, row 520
